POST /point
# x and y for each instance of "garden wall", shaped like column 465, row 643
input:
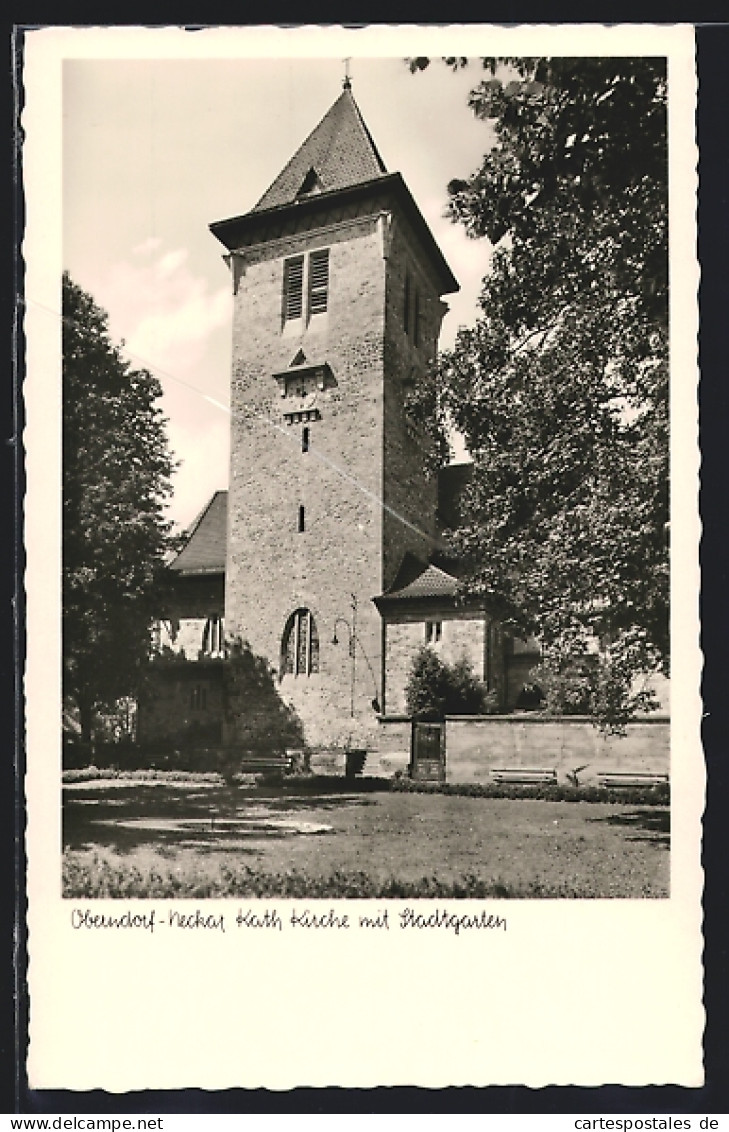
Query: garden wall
column 393, row 747
column 328, row 760
column 475, row 744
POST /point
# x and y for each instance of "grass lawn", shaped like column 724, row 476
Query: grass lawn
column 197, row 838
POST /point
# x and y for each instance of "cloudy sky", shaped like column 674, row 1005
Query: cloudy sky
column 156, row 149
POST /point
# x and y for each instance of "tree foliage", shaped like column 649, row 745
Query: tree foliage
column 116, row 478
column 561, row 388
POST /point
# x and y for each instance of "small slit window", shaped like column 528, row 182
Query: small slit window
column 305, row 439
column 302, row 519
column 318, row 281
column 300, row 645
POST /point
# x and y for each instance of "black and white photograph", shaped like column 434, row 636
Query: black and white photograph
column 368, row 553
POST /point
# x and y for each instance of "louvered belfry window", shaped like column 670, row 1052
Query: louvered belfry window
column 308, row 274
column 293, row 298
column 318, row 281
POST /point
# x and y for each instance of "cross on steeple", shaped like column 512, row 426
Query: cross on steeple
column 347, row 83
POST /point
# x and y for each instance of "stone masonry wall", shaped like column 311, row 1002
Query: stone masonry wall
column 403, row 639
column 273, row 569
column 410, row 495
column 461, row 637
column 475, row 745
column 391, row 752
column 464, row 638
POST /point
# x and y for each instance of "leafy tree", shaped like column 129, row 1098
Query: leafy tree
column 116, row 479
column 561, row 388
column 426, row 691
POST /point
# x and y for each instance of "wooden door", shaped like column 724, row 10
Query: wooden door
column 427, row 752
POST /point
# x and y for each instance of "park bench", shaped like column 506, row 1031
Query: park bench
column 524, row 775
column 630, row 778
column 265, row 764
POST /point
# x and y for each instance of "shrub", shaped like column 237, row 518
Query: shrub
column 466, row 694
column 641, row 796
column 94, row 773
column 426, row 692
column 435, row 689
column 93, row 876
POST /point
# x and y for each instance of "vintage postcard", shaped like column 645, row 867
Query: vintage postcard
column 362, row 532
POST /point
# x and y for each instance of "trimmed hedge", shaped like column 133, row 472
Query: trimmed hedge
column 640, row 795
column 94, row 773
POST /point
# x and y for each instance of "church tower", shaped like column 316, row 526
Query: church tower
column 338, row 283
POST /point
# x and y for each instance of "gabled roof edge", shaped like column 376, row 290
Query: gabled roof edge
column 190, row 533
column 230, row 230
column 342, row 113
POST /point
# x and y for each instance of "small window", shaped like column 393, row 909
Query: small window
column 293, row 297
column 300, row 645
column 305, row 440
column 302, row 519
column 310, row 184
column 433, row 632
column 318, row 281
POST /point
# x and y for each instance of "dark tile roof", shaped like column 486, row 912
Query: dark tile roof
column 339, row 161
column 416, row 579
column 204, row 551
column 340, row 151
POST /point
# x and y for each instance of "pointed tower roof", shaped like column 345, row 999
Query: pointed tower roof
column 338, row 162
column 338, row 154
